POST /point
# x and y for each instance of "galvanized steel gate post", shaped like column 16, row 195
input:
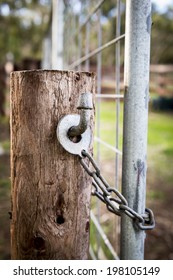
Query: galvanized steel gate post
column 137, row 56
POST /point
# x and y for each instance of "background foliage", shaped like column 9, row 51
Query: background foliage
column 23, row 24
column 22, row 28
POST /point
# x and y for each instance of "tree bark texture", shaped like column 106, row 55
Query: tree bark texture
column 50, row 189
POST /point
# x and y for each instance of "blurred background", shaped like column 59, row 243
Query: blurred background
column 25, row 26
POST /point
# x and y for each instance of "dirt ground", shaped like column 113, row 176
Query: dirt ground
column 159, row 242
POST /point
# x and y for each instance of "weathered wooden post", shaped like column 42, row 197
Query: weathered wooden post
column 50, row 189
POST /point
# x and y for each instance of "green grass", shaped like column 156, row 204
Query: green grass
column 6, row 145
column 160, row 127
column 4, row 188
column 160, row 136
column 108, row 127
column 160, row 146
column 151, row 194
column 160, row 131
column 103, row 253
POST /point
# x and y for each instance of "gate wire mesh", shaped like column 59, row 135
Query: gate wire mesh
column 87, row 45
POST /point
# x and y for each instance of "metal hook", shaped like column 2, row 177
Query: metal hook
column 84, row 105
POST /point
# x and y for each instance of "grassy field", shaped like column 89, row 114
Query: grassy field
column 159, row 173
column 160, row 144
column 160, row 136
column 107, row 123
column 159, row 179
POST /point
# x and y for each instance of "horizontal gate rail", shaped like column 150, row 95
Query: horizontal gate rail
column 112, row 148
column 110, row 96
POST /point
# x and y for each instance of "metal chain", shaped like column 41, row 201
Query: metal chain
column 116, row 204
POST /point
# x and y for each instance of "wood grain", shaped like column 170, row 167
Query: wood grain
column 50, row 189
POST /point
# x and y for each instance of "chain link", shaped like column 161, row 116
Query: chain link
column 116, row 204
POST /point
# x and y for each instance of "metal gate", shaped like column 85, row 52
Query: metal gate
column 79, row 40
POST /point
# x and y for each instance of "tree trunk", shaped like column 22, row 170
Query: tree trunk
column 50, row 189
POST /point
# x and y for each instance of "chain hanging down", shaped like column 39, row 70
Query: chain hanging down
column 117, row 204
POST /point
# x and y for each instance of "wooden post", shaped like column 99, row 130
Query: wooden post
column 50, row 189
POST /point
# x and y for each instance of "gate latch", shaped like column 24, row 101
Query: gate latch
column 73, row 131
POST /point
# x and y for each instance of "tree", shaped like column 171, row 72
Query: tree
column 161, row 37
column 26, row 22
